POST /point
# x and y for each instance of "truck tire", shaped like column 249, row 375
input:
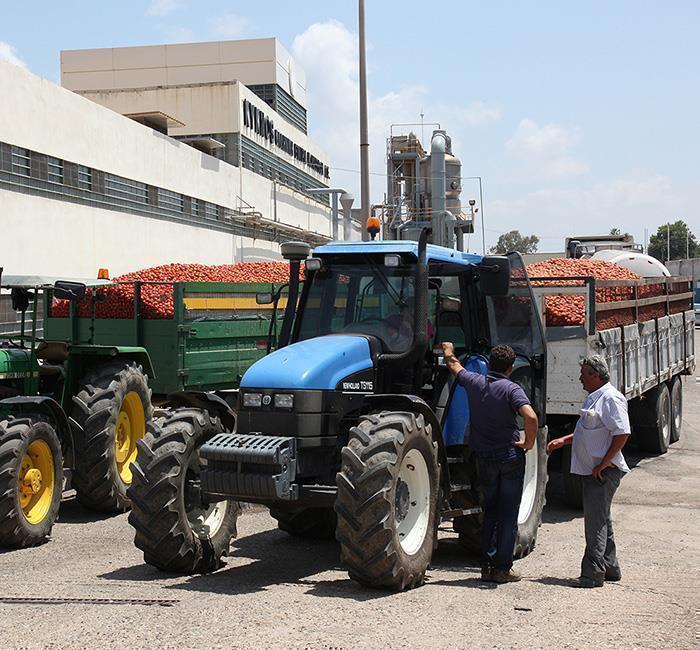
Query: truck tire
column 310, row 523
column 31, row 481
column 387, row 500
column 572, row 483
column 113, row 408
column 653, row 431
column 531, row 505
column 676, row 409
column 175, row 531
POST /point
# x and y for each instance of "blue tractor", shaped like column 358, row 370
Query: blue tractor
column 352, row 427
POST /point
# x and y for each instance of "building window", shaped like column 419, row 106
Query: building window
column 21, row 163
column 124, row 188
column 55, row 170
column 84, row 177
column 170, row 200
column 211, row 211
column 196, row 207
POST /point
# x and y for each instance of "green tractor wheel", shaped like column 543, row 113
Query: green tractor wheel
column 31, row 481
column 113, row 407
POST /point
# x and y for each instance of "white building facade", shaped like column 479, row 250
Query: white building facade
column 158, row 154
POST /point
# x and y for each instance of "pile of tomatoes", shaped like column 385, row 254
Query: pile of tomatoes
column 117, row 301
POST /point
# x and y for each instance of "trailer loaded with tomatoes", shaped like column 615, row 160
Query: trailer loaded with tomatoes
column 643, row 327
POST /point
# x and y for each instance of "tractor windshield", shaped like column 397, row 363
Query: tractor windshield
column 360, row 296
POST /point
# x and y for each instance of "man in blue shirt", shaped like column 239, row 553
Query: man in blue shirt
column 494, row 437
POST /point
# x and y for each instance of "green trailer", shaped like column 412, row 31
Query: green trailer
column 86, row 382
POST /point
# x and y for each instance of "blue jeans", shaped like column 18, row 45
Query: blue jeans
column 501, row 476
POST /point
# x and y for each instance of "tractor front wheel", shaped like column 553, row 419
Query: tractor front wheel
column 387, row 500
column 175, row 529
column 31, row 481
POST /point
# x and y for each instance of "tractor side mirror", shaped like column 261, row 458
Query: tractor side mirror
column 66, row 290
column 494, row 275
column 20, row 299
column 263, row 298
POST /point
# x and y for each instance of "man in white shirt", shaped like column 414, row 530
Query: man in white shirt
column 596, row 454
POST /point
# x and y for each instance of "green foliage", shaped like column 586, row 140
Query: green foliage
column 680, row 238
column 514, row 241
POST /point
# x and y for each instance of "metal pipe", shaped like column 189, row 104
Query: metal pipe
column 334, row 216
column 438, row 146
column 364, row 137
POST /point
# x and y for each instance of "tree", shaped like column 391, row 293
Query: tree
column 615, row 231
column 682, row 241
column 514, row 241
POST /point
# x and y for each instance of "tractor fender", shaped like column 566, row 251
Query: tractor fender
column 416, row 405
column 207, row 402
column 56, row 415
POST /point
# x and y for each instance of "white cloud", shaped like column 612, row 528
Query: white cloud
column 546, row 149
column 162, row 7
column 9, row 53
column 229, row 26
column 328, row 52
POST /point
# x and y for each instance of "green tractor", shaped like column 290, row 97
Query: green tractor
column 71, row 412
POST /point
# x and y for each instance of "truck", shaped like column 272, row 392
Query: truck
column 648, row 340
column 77, row 391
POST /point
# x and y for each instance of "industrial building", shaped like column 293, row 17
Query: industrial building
column 150, row 155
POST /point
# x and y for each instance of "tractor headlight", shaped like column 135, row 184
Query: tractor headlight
column 284, row 401
column 252, row 400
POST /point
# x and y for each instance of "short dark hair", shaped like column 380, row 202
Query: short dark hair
column 502, row 358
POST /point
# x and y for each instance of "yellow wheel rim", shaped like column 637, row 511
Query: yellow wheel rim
column 36, row 482
column 130, row 428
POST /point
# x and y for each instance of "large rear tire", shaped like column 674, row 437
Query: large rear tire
column 676, row 409
column 174, row 529
column 31, row 481
column 113, row 407
column 309, row 523
column 387, row 500
column 653, row 430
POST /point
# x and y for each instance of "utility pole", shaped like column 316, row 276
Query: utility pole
column 364, row 138
column 668, row 242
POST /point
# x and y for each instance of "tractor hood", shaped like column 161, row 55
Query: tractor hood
column 316, row 364
column 14, row 362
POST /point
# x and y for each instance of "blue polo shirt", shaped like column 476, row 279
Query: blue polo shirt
column 494, row 401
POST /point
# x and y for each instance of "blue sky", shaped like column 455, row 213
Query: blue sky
column 579, row 117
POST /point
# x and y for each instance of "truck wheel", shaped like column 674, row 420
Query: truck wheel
column 387, row 500
column 573, row 483
column 113, row 407
column 175, row 530
column 31, row 480
column 311, row 523
column 676, row 409
column 653, row 433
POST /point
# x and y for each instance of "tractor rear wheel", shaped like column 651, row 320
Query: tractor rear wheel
column 175, row 530
column 113, row 407
column 387, row 500
column 311, row 523
column 31, row 481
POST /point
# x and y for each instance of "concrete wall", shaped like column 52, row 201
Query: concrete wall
column 689, row 267
column 251, row 61
column 56, row 238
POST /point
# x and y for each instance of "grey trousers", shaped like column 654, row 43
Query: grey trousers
column 600, row 555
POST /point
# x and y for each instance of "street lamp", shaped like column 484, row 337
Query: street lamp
column 481, row 205
column 346, row 200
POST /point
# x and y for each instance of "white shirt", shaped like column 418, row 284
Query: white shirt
column 603, row 415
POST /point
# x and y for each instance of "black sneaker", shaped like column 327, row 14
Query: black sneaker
column 612, row 575
column 586, row 583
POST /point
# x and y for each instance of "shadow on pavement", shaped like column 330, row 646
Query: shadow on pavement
column 72, row 512
column 554, row 581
